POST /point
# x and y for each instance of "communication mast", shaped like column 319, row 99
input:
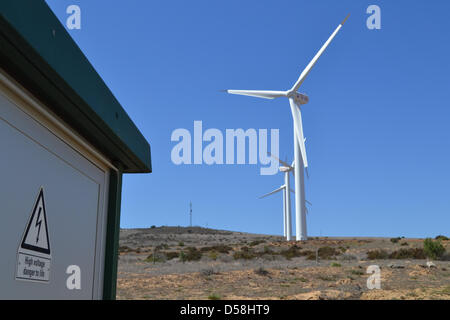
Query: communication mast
column 190, row 214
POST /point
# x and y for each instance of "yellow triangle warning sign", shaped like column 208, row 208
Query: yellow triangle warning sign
column 36, row 236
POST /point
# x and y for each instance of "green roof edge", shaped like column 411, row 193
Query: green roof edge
column 38, row 52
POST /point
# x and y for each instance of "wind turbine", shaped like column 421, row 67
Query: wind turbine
column 286, row 168
column 286, row 209
column 296, row 100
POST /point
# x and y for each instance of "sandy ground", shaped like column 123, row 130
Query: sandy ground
column 160, row 263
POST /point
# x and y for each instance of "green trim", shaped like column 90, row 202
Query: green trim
column 112, row 236
column 37, row 51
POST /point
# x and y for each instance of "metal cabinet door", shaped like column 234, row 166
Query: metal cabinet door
column 31, row 157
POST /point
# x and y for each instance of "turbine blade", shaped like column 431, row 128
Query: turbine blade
column 311, row 64
column 259, row 93
column 274, row 191
column 279, row 160
column 306, row 168
column 297, row 116
column 293, row 166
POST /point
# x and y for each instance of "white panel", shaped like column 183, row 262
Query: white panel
column 33, row 157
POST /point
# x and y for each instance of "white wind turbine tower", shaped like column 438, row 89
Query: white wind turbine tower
column 296, row 100
column 287, row 224
column 286, row 210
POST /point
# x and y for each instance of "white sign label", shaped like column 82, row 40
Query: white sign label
column 34, row 256
column 31, row 267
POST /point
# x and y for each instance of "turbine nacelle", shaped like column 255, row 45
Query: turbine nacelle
column 285, row 169
column 300, row 98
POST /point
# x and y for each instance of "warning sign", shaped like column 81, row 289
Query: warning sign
column 34, row 256
column 31, row 267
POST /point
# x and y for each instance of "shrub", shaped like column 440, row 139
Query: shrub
column 411, row 253
column 154, row 257
column 291, row 252
column 171, row 255
column 347, row 257
column 125, row 249
column 310, row 255
column 153, row 227
column 161, row 246
column 441, row 237
column 377, row 254
column 193, row 254
column 181, row 244
column 395, row 240
column 245, row 253
column 214, row 296
column 261, row 271
column 445, row 257
column 357, row 272
column 182, row 256
column 256, row 242
column 404, row 244
column 267, row 250
column 213, row 255
column 327, row 253
column 220, row 248
column 326, row 278
column 433, row 249
column 208, row 272
column 335, row 264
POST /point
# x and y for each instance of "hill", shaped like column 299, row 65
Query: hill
column 201, row 263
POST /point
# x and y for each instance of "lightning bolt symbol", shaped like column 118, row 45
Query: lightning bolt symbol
column 38, row 224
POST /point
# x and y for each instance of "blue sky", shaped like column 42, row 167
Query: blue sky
column 377, row 124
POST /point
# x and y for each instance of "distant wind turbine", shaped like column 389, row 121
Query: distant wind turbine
column 287, row 219
column 286, row 168
column 286, row 209
column 296, row 100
